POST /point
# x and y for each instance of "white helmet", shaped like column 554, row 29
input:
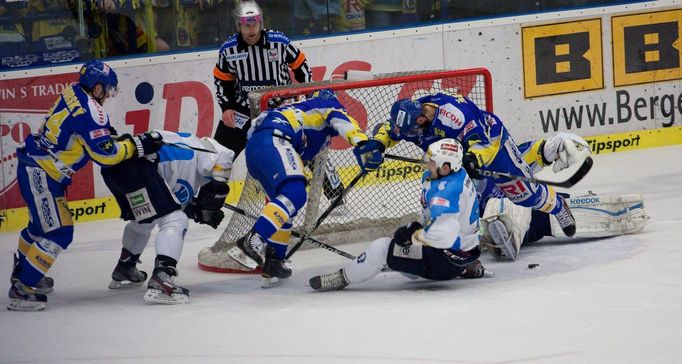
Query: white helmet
column 446, row 150
column 219, row 164
column 248, row 12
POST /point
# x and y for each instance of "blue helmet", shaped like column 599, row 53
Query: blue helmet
column 96, row 71
column 324, row 94
column 404, row 114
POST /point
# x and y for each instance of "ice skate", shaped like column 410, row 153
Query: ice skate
column 329, row 282
column 247, row 251
column 274, row 270
column 25, row 298
column 162, row 288
column 45, row 285
column 126, row 274
column 126, row 277
column 565, row 219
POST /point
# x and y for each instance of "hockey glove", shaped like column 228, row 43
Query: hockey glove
column 369, row 154
column 403, row 236
column 564, row 149
column 146, row 143
column 471, row 165
column 206, row 208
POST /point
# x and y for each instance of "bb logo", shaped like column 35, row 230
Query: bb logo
column 562, row 58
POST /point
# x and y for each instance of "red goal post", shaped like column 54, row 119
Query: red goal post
column 383, row 199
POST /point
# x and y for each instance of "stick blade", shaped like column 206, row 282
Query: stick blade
column 579, row 174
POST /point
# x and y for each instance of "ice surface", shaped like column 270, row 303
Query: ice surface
column 616, row 300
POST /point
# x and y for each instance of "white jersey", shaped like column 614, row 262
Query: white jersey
column 186, row 170
column 450, row 213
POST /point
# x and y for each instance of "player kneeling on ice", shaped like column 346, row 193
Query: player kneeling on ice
column 506, row 226
column 162, row 191
column 444, row 247
column 281, row 142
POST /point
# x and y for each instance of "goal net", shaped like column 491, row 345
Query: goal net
column 381, row 200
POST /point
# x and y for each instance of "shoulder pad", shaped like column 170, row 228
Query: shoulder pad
column 275, row 36
column 230, row 42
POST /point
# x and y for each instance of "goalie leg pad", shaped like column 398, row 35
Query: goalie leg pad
column 504, row 226
column 602, row 215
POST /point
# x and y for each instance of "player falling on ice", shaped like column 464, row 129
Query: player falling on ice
column 442, row 245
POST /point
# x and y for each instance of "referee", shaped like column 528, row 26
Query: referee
column 251, row 59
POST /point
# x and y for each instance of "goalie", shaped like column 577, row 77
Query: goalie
column 443, row 245
column 506, row 226
column 161, row 191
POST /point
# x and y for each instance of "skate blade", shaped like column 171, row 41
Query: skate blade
column 270, row 282
column 241, row 258
column 124, row 284
column 20, row 305
column 502, row 239
column 156, row 296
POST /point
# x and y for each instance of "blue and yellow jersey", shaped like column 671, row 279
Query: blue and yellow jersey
column 450, row 212
column 75, row 130
column 457, row 117
column 311, row 124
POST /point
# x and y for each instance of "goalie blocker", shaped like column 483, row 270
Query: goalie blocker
column 505, row 226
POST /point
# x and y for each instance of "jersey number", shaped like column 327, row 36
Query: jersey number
column 52, row 126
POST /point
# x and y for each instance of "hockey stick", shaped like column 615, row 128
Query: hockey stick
column 296, row 234
column 572, row 180
column 188, row 147
column 326, row 213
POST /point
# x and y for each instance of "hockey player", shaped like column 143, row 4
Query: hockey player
column 275, row 153
column 162, row 191
column 76, row 130
column 488, row 144
column 443, row 245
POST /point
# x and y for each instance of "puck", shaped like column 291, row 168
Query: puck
column 533, row 265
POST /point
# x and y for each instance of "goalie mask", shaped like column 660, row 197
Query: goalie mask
column 216, row 165
column 404, row 114
column 446, row 151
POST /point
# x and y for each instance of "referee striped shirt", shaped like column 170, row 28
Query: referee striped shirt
column 242, row 68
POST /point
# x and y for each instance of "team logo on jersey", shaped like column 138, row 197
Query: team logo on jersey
column 106, row 146
column 236, row 57
column 183, row 191
column 272, row 55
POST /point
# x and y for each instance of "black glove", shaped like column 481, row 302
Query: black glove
column 403, row 236
column 206, row 208
column 470, row 164
column 146, row 143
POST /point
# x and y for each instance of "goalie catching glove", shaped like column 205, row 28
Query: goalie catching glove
column 563, row 150
column 207, row 207
column 369, row 154
column 403, row 236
